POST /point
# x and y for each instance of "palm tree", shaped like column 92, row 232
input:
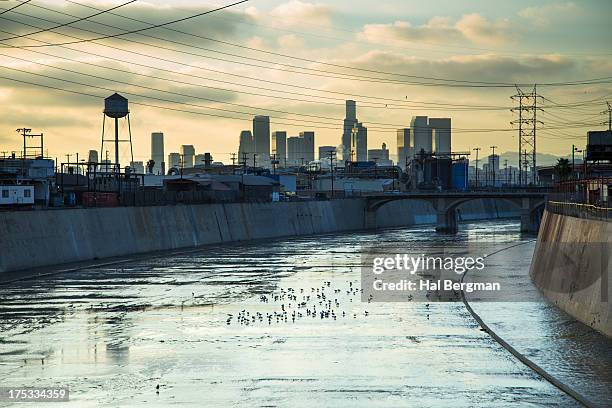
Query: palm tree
column 563, row 169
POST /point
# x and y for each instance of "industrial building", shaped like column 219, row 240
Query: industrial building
column 26, row 181
column 137, row 167
column 380, row 156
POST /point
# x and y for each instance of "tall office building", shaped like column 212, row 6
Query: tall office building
column 350, row 120
column 174, row 161
column 359, row 142
column 157, row 152
column 279, row 146
column 421, row 135
column 188, row 156
column 93, row 156
column 404, row 147
column 294, row 150
column 494, row 162
column 441, row 135
column 245, row 146
column 261, row 137
column 308, row 144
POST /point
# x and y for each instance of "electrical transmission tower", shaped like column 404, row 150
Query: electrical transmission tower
column 527, row 122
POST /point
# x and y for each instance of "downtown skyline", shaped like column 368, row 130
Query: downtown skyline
column 483, row 42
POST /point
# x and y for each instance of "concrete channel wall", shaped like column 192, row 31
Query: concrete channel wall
column 31, row 239
column 572, row 267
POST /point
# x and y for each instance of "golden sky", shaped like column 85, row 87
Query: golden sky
column 294, row 61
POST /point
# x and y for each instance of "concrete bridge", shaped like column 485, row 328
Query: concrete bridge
column 531, row 205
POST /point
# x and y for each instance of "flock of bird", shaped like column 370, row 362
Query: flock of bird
column 322, row 303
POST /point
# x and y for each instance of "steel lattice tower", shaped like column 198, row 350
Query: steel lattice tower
column 527, row 125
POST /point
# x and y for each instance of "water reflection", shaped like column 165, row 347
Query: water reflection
column 113, row 334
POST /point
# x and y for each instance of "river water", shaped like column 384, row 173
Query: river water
column 209, row 328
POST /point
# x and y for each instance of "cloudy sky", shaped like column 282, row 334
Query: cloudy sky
column 297, row 61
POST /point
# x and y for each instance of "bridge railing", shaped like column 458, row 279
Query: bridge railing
column 580, row 210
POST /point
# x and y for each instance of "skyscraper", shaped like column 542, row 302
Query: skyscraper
column 350, row 121
column 261, row 137
column 404, row 147
column 421, row 135
column 245, row 146
column 279, row 145
column 359, row 142
column 93, row 156
column 157, row 152
column 188, row 155
column 294, row 150
column 174, row 161
column 308, row 145
column 441, row 134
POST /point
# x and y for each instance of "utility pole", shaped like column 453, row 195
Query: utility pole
column 254, row 161
column 527, row 110
column 331, row 165
column 244, row 162
column 493, row 167
column 233, row 156
column 274, row 163
column 477, row 149
column 506, row 171
column 609, row 112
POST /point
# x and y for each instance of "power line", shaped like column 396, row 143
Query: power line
column 283, row 55
column 315, row 72
column 136, row 31
column 383, row 130
column 454, row 107
column 244, row 76
column 15, row 6
column 388, row 106
column 68, row 23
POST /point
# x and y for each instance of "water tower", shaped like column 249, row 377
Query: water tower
column 116, row 107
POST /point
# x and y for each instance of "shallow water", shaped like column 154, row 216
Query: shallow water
column 111, row 334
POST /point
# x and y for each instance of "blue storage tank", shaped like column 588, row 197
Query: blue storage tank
column 460, row 175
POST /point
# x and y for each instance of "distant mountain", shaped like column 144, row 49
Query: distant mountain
column 542, row 159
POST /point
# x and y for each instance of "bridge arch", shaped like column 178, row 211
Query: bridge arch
column 530, row 205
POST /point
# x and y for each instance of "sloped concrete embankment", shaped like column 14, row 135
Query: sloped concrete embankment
column 41, row 238
column 572, row 267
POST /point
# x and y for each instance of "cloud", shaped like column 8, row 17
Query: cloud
column 479, row 30
column 471, row 27
column 487, row 67
column 543, row 15
column 290, row 42
column 296, row 12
